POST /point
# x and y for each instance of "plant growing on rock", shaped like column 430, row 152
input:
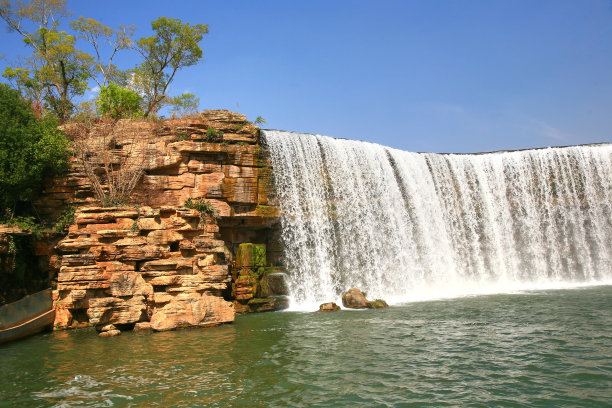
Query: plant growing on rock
column 114, row 157
column 66, row 219
column 203, row 206
column 259, row 121
column 213, row 136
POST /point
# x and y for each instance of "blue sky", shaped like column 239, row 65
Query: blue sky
column 431, row 75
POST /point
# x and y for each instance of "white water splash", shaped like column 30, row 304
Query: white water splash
column 410, row 226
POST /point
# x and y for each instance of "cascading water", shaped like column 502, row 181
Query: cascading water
column 405, row 226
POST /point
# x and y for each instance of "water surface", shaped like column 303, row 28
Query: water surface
column 546, row 348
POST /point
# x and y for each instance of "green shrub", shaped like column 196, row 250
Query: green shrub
column 30, row 149
column 65, row 220
column 212, row 135
column 27, row 224
column 203, row 206
column 118, row 102
column 260, row 121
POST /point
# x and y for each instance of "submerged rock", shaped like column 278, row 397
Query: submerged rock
column 140, row 326
column 110, row 333
column 329, row 307
column 268, row 304
column 354, row 299
column 105, row 328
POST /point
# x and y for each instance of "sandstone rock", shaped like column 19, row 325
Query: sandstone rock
column 223, row 115
column 129, row 284
column 162, row 297
column 142, row 253
column 115, row 233
column 354, row 299
column 121, row 255
column 329, row 307
column 192, row 311
column 163, row 237
column 63, row 317
column 78, row 260
column 81, row 273
column 197, row 166
column 236, row 137
column 149, row 224
column 115, row 310
column 240, row 190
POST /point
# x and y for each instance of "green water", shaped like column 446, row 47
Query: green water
column 546, row 348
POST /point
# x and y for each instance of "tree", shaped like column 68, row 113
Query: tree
column 56, row 65
column 28, row 83
column 30, row 149
column 184, row 104
column 174, row 46
column 98, row 35
column 118, row 102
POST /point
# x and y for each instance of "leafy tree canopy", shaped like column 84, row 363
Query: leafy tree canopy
column 30, row 149
column 118, row 102
column 184, row 104
column 174, row 46
column 57, row 73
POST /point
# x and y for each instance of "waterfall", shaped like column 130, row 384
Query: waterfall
column 406, row 226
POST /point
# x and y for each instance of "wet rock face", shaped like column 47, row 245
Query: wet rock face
column 257, row 287
column 355, row 299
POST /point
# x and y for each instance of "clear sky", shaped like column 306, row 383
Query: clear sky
column 430, row 75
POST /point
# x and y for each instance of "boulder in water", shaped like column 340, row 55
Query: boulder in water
column 329, row 307
column 377, row 304
column 354, row 299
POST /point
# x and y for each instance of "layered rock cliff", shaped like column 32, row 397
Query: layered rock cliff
column 157, row 262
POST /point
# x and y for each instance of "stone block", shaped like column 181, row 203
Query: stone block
column 192, row 311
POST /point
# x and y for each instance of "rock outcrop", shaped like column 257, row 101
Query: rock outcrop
column 126, row 265
column 159, row 264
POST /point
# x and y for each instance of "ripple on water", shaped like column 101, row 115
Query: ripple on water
column 488, row 351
